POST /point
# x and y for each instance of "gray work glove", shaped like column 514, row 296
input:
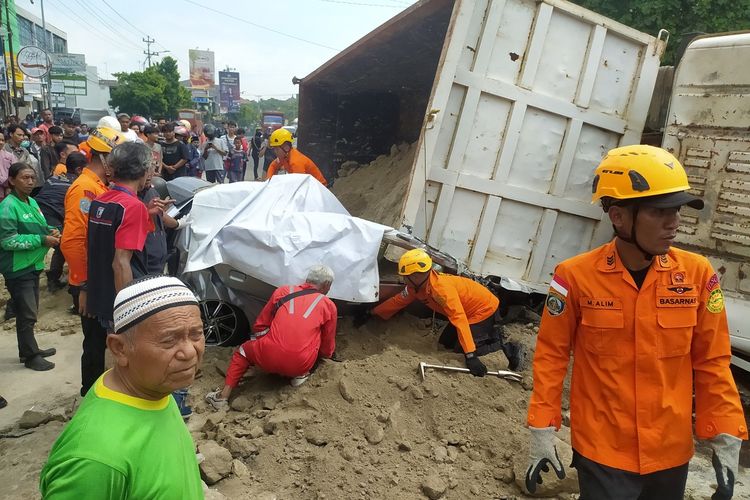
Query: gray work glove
column 542, row 453
column 725, row 460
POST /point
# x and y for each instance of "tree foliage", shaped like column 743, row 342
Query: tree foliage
column 176, row 95
column 250, row 112
column 153, row 92
column 679, row 17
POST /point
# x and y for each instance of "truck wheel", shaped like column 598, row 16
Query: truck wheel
column 223, row 323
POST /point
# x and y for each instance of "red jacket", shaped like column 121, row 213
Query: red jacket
column 302, row 330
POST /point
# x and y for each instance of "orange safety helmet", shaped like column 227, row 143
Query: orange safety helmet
column 643, row 173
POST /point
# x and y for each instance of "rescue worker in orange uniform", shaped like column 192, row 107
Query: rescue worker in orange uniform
column 471, row 309
column 288, row 158
column 92, row 182
column 646, row 324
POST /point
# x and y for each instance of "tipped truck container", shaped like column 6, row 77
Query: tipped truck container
column 513, row 104
column 707, row 130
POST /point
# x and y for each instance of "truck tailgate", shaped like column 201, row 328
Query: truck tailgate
column 528, row 97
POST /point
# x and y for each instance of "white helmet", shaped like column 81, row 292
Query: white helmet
column 131, row 136
column 108, row 122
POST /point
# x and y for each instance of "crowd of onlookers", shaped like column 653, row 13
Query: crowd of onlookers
column 88, row 194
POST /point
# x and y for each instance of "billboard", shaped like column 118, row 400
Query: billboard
column 68, row 74
column 201, row 68
column 229, row 91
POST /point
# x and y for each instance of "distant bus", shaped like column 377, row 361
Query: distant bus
column 194, row 117
column 273, row 120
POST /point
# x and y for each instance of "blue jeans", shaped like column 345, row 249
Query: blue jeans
column 180, row 397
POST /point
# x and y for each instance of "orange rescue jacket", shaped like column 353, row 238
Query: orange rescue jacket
column 296, row 163
column 638, row 354
column 463, row 301
column 74, row 243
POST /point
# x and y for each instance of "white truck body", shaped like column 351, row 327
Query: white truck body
column 528, row 97
column 707, row 129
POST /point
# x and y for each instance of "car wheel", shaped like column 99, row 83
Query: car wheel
column 223, row 324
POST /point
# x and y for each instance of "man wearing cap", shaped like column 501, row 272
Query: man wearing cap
column 295, row 328
column 646, row 325
column 127, row 439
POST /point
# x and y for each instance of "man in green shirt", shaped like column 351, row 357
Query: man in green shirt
column 127, row 439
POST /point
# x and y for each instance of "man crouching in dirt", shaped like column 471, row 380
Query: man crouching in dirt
column 295, row 328
column 127, row 439
column 470, row 307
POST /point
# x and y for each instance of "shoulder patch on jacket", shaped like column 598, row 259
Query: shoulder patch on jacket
column 555, row 303
column 715, row 302
column 712, row 283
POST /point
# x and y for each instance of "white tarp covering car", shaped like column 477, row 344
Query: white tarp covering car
column 275, row 230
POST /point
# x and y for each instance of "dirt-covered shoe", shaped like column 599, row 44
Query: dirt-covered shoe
column 216, row 402
column 298, row 381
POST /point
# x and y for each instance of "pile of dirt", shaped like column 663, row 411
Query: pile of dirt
column 376, row 191
column 366, row 427
column 369, row 427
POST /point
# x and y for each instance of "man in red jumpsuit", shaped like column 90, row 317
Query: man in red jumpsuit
column 295, row 328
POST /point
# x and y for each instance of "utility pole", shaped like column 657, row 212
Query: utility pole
column 148, row 41
column 12, row 61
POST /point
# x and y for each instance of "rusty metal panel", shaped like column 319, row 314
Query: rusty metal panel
column 528, row 98
column 707, row 130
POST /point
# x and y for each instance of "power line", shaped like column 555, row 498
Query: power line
column 101, row 20
column 259, row 26
column 117, row 13
column 68, row 12
column 363, row 4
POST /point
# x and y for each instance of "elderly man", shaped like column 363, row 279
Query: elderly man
column 127, row 439
column 295, row 328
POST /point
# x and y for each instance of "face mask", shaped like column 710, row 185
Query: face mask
column 25, row 144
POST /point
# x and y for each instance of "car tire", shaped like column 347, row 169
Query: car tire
column 223, row 323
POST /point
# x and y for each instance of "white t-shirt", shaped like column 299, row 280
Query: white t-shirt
column 214, row 160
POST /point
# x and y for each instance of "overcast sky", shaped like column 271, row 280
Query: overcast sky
column 299, row 35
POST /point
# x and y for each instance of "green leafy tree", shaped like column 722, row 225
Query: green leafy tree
column 679, row 17
column 140, row 92
column 153, row 92
column 176, row 95
column 249, row 114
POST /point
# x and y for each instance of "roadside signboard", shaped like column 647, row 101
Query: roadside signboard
column 229, row 91
column 68, row 74
column 33, row 61
column 201, row 68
